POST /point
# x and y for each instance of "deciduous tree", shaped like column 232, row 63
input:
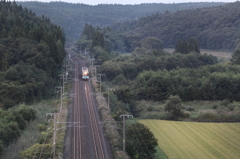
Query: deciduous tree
column 174, row 105
column 140, row 141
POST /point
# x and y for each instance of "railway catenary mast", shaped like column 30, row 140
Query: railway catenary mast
column 85, row 73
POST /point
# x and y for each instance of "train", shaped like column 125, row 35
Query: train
column 85, row 73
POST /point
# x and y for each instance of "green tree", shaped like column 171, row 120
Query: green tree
column 129, row 70
column 87, row 32
column 140, row 50
column 28, row 113
column 152, row 43
column 236, row 57
column 181, row 47
column 36, row 150
column 1, row 147
column 9, row 131
column 103, row 56
column 124, row 93
column 140, row 141
column 193, row 46
column 98, row 40
column 174, row 105
column 185, row 47
column 111, row 69
column 86, row 38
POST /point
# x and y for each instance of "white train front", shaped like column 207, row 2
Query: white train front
column 85, row 73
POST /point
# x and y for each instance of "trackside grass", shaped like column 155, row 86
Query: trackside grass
column 188, row 140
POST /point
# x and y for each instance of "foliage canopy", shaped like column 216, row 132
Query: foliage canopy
column 32, row 53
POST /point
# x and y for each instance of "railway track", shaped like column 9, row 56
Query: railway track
column 98, row 147
column 87, row 139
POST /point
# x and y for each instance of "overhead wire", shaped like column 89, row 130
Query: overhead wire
column 43, row 146
column 143, row 141
column 138, row 141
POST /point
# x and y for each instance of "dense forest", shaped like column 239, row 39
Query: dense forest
column 32, row 53
column 72, row 17
column 214, row 28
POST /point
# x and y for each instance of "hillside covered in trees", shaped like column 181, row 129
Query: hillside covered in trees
column 32, row 52
column 72, row 17
column 214, row 28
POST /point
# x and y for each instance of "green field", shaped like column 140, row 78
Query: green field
column 192, row 140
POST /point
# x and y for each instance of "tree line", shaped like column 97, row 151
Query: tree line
column 216, row 82
column 131, row 66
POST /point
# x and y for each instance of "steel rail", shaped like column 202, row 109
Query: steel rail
column 77, row 130
column 91, row 122
column 75, row 101
column 79, row 140
column 94, row 124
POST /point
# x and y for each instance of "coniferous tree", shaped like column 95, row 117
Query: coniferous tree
column 193, row 46
column 98, row 40
column 185, row 47
column 236, row 57
column 181, row 47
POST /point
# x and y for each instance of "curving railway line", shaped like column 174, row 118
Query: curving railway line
column 85, row 139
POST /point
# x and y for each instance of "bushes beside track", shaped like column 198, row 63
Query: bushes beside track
column 111, row 133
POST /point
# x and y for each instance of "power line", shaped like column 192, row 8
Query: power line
column 43, row 145
column 143, row 141
column 138, row 142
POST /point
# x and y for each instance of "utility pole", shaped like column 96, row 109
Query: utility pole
column 96, row 71
column 100, row 81
column 61, row 93
column 124, row 115
column 54, row 131
column 111, row 89
column 92, row 59
column 108, row 98
column 62, row 81
column 71, row 124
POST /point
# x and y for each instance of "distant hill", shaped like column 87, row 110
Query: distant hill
column 72, row 17
column 214, row 28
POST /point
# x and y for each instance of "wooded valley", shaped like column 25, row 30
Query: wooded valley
column 127, row 43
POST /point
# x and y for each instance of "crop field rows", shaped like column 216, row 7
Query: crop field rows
column 196, row 140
